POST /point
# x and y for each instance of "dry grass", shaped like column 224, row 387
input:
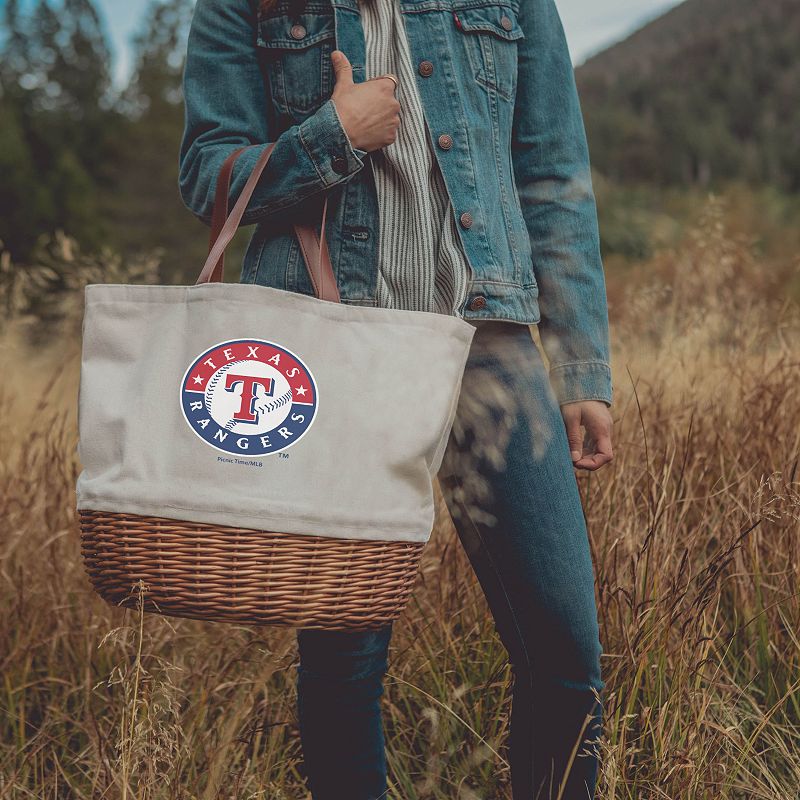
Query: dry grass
column 695, row 538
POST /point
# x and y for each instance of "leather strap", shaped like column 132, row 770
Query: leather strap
column 220, row 211
column 318, row 260
column 314, row 247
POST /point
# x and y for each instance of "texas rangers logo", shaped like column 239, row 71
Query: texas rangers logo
column 249, row 397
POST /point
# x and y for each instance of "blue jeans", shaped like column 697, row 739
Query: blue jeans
column 507, row 459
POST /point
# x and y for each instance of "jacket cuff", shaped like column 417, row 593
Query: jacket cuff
column 582, row 380
column 328, row 146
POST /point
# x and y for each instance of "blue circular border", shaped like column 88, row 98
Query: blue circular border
column 299, row 429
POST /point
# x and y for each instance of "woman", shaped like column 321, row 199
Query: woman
column 448, row 139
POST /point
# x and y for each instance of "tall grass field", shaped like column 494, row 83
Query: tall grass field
column 695, row 535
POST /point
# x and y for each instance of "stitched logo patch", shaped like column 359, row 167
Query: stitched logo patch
column 249, row 397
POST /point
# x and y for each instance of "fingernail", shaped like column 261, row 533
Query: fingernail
column 575, row 455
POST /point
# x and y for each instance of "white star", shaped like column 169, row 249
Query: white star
column 301, row 391
column 198, row 379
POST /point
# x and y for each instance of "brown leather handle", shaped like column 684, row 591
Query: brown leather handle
column 223, row 227
column 220, row 211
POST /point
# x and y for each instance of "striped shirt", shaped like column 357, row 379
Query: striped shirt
column 422, row 266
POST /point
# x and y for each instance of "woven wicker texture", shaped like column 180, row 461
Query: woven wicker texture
column 229, row 574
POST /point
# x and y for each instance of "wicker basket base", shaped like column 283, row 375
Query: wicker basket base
column 231, row 574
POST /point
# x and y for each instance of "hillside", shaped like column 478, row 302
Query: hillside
column 707, row 92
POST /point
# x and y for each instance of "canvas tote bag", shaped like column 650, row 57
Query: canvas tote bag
column 257, row 455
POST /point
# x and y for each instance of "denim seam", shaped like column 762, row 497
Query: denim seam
column 499, row 577
column 583, row 400
column 257, row 261
column 513, row 284
column 487, row 84
column 580, row 364
column 282, row 203
column 290, row 275
column 310, row 154
column 503, row 188
column 247, row 219
column 472, row 318
column 480, row 232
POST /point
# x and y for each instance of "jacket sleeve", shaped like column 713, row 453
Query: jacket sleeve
column 551, row 167
column 224, row 95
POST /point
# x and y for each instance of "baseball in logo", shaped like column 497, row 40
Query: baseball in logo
column 249, row 397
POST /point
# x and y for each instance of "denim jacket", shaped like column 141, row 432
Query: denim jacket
column 493, row 74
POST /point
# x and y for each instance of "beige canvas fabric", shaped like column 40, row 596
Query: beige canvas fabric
column 244, row 405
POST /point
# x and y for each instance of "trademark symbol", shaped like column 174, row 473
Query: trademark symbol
column 283, row 455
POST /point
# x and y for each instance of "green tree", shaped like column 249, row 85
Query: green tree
column 58, row 123
column 146, row 207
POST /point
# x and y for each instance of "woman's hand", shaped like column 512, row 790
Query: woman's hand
column 594, row 449
column 369, row 111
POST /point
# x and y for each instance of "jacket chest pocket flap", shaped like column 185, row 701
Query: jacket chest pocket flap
column 297, row 53
column 491, row 33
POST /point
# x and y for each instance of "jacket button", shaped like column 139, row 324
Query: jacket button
column 478, row 303
column 445, row 141
column 425, row 68
column 506, row 23
column 297, row 32
column 339, row 164
column 466, row 220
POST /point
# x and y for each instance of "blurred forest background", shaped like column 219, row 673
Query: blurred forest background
column 76, row 155
column 703, row 98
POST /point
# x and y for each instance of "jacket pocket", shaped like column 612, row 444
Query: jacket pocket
column 491, row 33
column 296, row 54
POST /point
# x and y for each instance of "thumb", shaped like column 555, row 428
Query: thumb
column 342, row 68
column 572, row 423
